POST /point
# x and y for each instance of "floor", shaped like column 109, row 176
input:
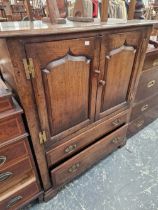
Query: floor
column 126, row 180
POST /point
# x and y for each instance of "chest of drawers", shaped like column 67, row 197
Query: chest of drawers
column 17, row 168
column 145, row 106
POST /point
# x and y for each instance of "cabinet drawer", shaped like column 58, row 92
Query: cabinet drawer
column 12, row 153
column 83, row 139
column 148, row 85
column 142, row 121
column 151, row 60
column 85, row 159
column 17, row 198
column 6, row 104
column 11, row 127
column 144, row 106
column 11, row 175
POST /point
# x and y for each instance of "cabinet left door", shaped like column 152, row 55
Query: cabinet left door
column 64, row 84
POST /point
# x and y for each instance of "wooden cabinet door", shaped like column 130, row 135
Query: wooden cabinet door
column 118, row 53
column 65, row 84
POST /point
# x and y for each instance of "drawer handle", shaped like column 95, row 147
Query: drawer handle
column 70, row 148
column 2, row 160
column 116, row 122
column 145, row 107
column 4, row 176
column 74, row 168
column 140, row 123
column 151, row 83
column 13, row 201
column 102, row 82
column 155, row 63
column 116, row 140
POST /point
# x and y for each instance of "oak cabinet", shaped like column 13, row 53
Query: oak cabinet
column 76, row 86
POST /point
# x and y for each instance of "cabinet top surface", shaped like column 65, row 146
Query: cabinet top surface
column 28, row 28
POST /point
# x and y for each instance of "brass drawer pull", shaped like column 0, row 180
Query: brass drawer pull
column 155, row 63
column 116, row 122
column 13, row 201
column 140, row 123
column 151, row 83
column 102, row 82
column 4, row 176
column 145, row 107
column 70, row 148
column 2, row 160
column 74, row 168
column 116, row 140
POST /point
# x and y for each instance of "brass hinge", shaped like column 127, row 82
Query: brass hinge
column 29, row 68
column 42, row 137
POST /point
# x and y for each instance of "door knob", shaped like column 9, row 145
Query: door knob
column 102, row 82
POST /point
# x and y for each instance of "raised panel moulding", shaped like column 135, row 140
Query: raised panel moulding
column 65, row 59
column 122, row 48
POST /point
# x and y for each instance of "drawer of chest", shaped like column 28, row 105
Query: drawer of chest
column 143, row 107
column 148, row 85
column 85, row 159
column 11, row 175
column 85, row 138
column 142, row 121
column 14, row 198
column 6, row 104
column 11, row 153
column 11, row 127
column 151, row 60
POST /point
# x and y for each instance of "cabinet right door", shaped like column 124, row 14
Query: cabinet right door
column 117, row 66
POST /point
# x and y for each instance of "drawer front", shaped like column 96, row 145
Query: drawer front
column 85, row 159
column 10, row 176
column 142, row 121
column 11, row 127
column 148, row 85
column 151, row 60
column 143, row 107
column 8, row 155
column 5, row 104
column 18, row 198
column 83, row 139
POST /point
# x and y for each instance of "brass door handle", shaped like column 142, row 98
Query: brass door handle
column 74, row 168
column 4, row 176
column 13, row 201
column 102, row 82
column 2, row 160
column 151, row 83
column 70, row 148
column 145, row 107
column 116, row 122
column 97, row 71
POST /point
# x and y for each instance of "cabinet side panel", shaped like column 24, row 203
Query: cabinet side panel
column 26, row 95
